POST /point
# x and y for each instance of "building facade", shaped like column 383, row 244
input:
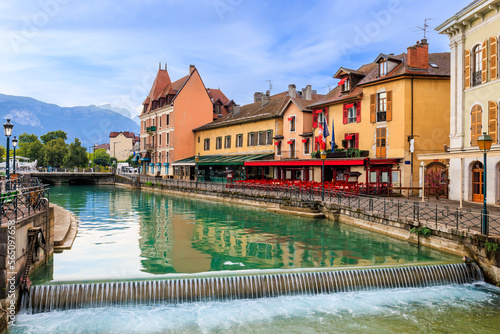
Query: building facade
column 475, row 95
column 387, row 112
column 122, row 145
column 170, row 112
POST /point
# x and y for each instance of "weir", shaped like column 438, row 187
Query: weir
column 46, row 298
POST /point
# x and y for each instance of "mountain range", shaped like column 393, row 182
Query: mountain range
column 90, row 124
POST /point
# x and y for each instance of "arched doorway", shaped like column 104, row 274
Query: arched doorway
column 477, row 182
column 436, row 179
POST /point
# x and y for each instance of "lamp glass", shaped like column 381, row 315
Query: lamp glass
column 7, row 127
column 484, row 142
column 323, row 155
column 14, row 142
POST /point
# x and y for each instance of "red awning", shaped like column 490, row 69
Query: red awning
column 309, row 162
column 341, row 82
column 350, row 105
column 384, row 161
column 348, row 137
column 305, row 140
column 291, row 117
column 290, row 141
column 278, row 142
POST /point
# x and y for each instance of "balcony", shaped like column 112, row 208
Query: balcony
column 381, row 116
column 151, row 129
column 476, row 78
column 150, row 147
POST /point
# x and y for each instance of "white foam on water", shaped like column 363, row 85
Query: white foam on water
column 318, row 313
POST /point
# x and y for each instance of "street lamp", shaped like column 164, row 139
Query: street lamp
column 14, row 144
column 323, row 157
column 484, row 142
column 7, row 127
column 196, row 159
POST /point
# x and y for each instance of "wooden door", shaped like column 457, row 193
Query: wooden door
column 477, row 182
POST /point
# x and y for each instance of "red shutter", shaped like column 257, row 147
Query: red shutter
column 356, row 140
column 326, row 113
column 315, row 119
column 358, row 112
column 345, row 113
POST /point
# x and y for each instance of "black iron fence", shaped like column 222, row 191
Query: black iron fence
column 390, row 208
column 23, row 202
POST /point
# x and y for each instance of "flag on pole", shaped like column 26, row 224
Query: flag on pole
column 333, row 137
column 320, row 136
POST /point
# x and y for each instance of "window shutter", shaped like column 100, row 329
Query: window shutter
column 356, row 140
column 383, row 142
column 270, row 141
column 493, row 120
column 467, row 70
column 377, row 152
column 373, row 110
column 345, row 114
column 248, row 140
column 358, row 112
column 389, row 106
column 254, row 140
column 476, row 120
column 484, row 57
column 315, row 119
column 493, row 58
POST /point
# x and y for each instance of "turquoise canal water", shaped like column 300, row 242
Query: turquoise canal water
column 130, row 234
column 126, row 234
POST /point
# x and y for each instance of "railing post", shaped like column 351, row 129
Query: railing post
column 457, row 218
column 398, row 208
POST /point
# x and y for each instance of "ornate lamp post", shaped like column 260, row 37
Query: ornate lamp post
column 14, row 144
column 323, row 157
column 7, row 127
column 196, row 159
column 484, row 142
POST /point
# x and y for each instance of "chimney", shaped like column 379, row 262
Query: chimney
column 292, row 90
column 236, row 109
column 257, row 97
column 307, row 93
column 418, row 55
column 266, row 98
column 165, row 66
column 191, row 68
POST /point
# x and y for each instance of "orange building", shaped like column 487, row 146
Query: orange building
column 170, row 112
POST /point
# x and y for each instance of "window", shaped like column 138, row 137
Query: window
column 198, row 139
column 351, row 113
column 476, row 122
column 168, row 119
column 382, row 67
column 168, row 139
column 278, row 148
column 320, row 118
column 218, row 143
column 252, row 139
column 347, row 85
column 381, row 107
column 159, row 140
column 159, row 125
column 262, row 138
column 206, row 144
column 477, row 55
column 269, row 137
column 227, row 142
column 239, row 140
column 352, row 140
column 292, row 123
column 381, row 143
column 307, row 146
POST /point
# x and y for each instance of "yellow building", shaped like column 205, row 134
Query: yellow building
column 251, row 133
column 475, row 96
column 388, row 111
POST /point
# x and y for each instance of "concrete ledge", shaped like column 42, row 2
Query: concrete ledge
column 292, row 211
column 65, row 228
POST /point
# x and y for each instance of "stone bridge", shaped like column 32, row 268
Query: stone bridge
column 75, row 177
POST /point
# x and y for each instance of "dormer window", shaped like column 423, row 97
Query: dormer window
column 382, row 67
column 347, row 85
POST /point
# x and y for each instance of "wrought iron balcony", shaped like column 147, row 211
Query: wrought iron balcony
column 151, row 129
column 149, row 147
column 476, row 78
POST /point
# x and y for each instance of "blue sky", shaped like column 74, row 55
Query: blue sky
column 72, row 52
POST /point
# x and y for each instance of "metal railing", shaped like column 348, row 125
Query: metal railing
column 22, row 202
column 477, row 78
column 375, row 206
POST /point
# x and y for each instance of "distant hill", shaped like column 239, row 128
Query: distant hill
column 89, row 124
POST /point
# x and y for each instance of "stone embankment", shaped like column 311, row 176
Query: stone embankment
column 65, row 228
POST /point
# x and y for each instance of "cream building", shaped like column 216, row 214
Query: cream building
column 475, row 94
column 122, row 144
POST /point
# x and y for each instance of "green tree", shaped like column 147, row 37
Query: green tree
column 101, row 158
column 55, row 151
column 131, row 162
column 31, row 147
column 76, row 156
column 52, row 135
column 2, row 152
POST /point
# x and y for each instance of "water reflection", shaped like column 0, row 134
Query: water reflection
column 126, row 234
